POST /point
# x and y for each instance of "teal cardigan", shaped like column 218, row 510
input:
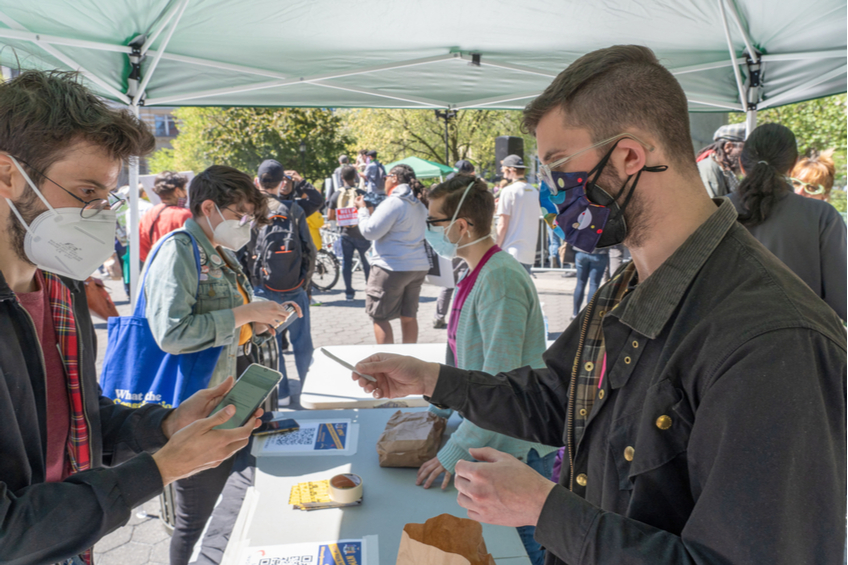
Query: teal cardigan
column 500, row 328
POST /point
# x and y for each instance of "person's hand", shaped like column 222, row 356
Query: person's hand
column 265, row 312
column 198, row 446
column 196, row 407
column 397, row 375
column 260, row 328
column 430, row 471
column 500, row 489
column 295, row 176
column 359, row 202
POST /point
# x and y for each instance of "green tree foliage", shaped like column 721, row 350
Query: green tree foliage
column 396, row 134
column 817, row 124
column 244, row 137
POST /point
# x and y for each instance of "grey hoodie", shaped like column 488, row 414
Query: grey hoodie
column 397, row 230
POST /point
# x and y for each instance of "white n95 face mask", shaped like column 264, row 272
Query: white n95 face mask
column 232, row 234
column 62, row 242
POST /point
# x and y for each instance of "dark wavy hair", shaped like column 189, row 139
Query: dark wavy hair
column 405, row 175
column 167, row 182
column 226, row 186
column 769, row 153
column 717, row 148
column 43, row 113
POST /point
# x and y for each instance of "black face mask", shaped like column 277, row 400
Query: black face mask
column 616, row 226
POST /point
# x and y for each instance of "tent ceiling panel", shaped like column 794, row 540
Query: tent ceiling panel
column 405, row 54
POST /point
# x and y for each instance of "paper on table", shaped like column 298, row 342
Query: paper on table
column 350, row 552
column 318, row 437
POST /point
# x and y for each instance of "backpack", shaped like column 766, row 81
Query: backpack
column 380, row 182
column 275, row 253
column 347, row 198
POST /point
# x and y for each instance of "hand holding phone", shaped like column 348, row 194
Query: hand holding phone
column 249, row 392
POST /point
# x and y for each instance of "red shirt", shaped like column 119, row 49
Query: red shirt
column 58, row 407
column 162, row 219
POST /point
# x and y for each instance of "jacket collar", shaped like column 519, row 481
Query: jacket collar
column 5, row 290
column 192, row 227
column 651, row 304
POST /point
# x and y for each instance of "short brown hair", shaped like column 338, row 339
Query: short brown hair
column 167, row 182
column 478, row 206
column 608, row 90
column 43, row 113
column 226, row 186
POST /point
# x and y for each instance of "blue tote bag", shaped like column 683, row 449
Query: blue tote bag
column 135, row 369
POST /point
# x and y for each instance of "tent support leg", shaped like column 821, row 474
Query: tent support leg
column 132, row 232
column 750, row 120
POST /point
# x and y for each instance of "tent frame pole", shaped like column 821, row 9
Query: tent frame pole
column 132, row 235
column 163, row 23
column 738, row 75
column 778, row 99
column 169, row 100
column 148, row 73
column 66, row 60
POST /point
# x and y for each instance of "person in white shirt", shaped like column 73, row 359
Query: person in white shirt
column 518, row 211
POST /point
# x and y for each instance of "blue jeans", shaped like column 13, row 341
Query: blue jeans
column 554, row 242
column 349, row 245
column 300, row 335
column 591, row 267
column 545, row 467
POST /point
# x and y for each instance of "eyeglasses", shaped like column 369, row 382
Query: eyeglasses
column 243, row 218
column 814, row 191
column 432, row 221
column 545, row 170
column 89, row 208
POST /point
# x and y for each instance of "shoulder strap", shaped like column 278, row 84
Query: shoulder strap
column 153, row 223
column 142, row 301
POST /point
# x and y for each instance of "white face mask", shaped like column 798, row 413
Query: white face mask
column 232, row 234
column 61, row 241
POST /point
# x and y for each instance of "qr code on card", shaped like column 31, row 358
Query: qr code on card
column 303, row 437
column 293, row 560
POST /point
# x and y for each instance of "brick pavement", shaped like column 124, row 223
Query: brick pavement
column 144, row 541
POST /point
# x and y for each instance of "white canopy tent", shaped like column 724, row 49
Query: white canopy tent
column 728, row 55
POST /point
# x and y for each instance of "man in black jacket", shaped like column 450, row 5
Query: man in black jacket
column 700, row 395
column 73, row 464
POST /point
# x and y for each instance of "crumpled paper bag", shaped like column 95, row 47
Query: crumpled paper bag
column 444, row 540
column 410, row 439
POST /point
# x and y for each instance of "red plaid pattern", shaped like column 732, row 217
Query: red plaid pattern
column 61, row 309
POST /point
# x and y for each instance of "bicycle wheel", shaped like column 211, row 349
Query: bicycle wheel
column 327, row 270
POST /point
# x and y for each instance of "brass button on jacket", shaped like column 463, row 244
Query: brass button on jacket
column 581, row 479
column 629, row 452
column 663, row 422
column 601, row 394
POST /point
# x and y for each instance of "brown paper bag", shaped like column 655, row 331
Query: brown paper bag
column 444, row 540
column 410, row 439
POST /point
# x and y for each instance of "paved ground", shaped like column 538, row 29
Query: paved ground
column 337, row 322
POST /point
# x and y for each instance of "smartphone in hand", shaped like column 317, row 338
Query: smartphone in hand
column 250, row 391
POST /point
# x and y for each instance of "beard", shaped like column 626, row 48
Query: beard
column 635, row 214
column 29, row 206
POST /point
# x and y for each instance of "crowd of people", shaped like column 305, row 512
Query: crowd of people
column 693, row 411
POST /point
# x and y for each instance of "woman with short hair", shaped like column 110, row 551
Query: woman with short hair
column 190, row 311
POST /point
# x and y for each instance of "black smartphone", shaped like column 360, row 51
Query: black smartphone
column 278, row 425
column 250, row 391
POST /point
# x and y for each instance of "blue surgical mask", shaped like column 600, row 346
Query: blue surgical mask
column 437, row 236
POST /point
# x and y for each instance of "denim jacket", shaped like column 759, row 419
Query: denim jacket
column 184, row 319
